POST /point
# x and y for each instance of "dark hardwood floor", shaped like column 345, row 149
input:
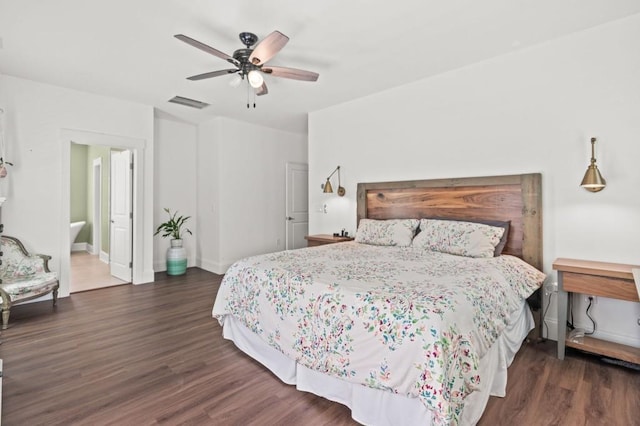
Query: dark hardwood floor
column 152, row 354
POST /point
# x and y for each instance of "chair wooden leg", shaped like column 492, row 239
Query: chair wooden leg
column 55, row 297
column 5, row 318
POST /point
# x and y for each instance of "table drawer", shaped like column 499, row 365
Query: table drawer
column 615, row 288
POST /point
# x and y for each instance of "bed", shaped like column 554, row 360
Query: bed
column 400, row 334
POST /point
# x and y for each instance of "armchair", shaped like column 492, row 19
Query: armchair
column 23, row 276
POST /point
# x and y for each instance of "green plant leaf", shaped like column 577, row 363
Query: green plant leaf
column 173, row 227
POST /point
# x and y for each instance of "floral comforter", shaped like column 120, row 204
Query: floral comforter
column 405, row 320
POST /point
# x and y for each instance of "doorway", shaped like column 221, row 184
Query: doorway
column 93, row 183
column 142, row 243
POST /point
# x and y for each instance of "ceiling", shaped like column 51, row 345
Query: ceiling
column 126, row 48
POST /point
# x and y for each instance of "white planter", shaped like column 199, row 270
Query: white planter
column 176, row 258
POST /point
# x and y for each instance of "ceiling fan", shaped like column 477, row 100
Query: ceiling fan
column 250, row 63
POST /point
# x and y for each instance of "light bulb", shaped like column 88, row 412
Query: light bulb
column 255, row 79
column 236, row 81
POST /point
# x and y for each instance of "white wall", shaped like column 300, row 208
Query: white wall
column 175, row 183
column 530, row 111
column 241, row 189
column 229, row 176
column 40, row 119
column 208, row 205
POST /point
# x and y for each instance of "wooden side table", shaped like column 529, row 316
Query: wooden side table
column 611, row 280
column 322, row 239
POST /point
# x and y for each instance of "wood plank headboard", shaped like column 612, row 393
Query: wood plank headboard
column 516, row 198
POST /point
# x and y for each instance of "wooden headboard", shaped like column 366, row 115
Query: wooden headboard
column 516, row 198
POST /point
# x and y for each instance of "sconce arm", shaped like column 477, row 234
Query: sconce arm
column 334, row 172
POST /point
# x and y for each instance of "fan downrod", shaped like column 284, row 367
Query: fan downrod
column 248, row 39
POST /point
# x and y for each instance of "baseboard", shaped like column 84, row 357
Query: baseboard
column 214, row 267
column 79, row 247
column 550, row 331
column 104, row 257
column 148, row 276
column 44, row 297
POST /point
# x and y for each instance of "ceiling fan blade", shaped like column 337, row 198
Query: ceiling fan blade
column 206, row 48
column 268, row 47
column 211, row 74
column 262, row 90
column 292, row 73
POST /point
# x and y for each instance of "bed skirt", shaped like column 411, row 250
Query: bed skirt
column 381, row 408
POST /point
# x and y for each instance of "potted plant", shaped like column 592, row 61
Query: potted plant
column 176, row 254
column 3, row 168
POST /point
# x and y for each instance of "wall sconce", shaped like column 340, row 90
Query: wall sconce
column 328, row 189
column 593, row 180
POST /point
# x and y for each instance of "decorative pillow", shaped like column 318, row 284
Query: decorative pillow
column 392, row 232
column 505, row 235
column 458, row 237
column 497, row 223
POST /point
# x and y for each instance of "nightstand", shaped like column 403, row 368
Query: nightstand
column 611, row 280
column 322, row 239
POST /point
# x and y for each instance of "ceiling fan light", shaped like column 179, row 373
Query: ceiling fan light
column 255, row 78
column 235, row 82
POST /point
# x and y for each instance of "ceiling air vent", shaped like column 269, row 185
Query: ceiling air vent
column 188, row 102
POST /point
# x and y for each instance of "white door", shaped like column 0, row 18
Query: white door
column 121, row 216
column 297, row 209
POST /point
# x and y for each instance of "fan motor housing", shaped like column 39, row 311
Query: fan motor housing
column 242, row 56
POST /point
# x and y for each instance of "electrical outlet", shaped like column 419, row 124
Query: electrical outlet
column 550, row 287
column 588, row 297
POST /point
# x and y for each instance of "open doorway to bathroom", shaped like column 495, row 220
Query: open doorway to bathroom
column 90, row 188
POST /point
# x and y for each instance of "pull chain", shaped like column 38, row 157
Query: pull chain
column 250, row 90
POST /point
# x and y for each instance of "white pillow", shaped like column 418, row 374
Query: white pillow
column 457, row 237
column 392, row 232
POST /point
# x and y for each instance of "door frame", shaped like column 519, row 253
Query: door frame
column 97, row 207
column 142, row 201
